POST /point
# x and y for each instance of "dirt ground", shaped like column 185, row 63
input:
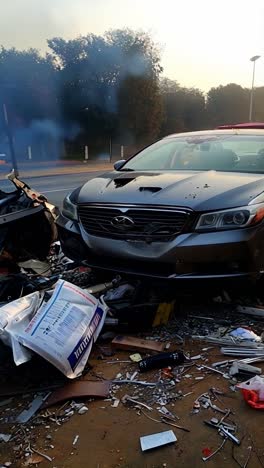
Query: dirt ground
column 109, row 437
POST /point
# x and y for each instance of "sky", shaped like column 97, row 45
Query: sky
column 204, row 43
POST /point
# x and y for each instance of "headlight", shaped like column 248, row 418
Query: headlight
column 231, row 219
column 69, row 208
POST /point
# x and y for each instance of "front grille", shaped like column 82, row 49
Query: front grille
column 140, row 223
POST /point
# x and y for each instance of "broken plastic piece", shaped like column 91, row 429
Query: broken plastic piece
column 242, row 368
column 245, row 334
column 83, row 410
column 75, row 440
column 135, row 357
column 163, row 313
column 36, row 404
column 5, row 437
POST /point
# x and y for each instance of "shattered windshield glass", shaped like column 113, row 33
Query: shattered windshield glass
column 230, row 153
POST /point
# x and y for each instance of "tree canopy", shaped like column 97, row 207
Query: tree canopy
column 94, row 88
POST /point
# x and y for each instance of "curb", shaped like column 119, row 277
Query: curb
column 58, row 172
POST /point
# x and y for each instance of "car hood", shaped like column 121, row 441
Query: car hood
column 199, row 191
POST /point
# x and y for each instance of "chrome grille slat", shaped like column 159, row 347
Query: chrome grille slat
column 149, row 224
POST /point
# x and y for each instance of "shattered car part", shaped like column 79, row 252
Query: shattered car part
column 243, row 369
column 36, row 404
column 27, row 227
column 78, row 389
column 222, row 430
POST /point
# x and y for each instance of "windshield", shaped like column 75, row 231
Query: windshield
column 231, row 153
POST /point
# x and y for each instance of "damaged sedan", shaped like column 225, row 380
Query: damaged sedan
column 189, row 206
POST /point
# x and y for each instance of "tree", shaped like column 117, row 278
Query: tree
column 184, row 108
column 258, row 104
column 28, row 90
column 140, row 109
column 99, row 75
column 27, row 84
column 227, row 104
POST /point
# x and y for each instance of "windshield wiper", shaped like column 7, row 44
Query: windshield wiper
column 126, row 169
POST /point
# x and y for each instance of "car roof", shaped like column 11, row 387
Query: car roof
column 226, row 131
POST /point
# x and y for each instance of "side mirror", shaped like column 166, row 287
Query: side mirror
column 119, row 164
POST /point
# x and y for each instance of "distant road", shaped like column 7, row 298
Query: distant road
column 55, row 187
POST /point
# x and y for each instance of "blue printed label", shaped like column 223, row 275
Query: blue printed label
column 83, row 344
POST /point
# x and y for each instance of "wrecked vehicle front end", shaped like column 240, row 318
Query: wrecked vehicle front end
column 27, row 230
column 27, row 227
column 188, row 256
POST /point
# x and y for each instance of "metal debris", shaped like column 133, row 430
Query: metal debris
column 5, row 437
column 75, row 440
column 83, row 410
column 36, row 404
column 135, row 402
column 215, row 452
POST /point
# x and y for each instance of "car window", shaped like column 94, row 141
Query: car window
column 157, row 156
column 235, row 153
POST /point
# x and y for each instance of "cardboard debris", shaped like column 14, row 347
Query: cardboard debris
column 137, row 344
column 78, row 389
column 65, row 328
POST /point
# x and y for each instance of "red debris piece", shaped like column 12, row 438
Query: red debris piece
column 207, row 451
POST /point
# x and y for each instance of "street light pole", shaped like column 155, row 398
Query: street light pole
column 10, row 141
column 253, row 59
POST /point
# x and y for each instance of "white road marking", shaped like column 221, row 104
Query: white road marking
column 58, row 190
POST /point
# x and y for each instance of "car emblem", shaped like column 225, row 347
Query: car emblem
column 122, row 223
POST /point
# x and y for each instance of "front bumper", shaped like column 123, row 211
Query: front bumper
column 190, row 256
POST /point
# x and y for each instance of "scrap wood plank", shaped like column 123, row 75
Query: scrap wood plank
column 137, row 344
column 78, row 389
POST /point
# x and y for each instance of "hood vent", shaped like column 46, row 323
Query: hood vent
column 122, row 181
column 149, row 189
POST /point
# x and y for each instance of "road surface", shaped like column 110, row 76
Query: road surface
column 54, row 187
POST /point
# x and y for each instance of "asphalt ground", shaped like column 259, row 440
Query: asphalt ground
column 55, row 187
